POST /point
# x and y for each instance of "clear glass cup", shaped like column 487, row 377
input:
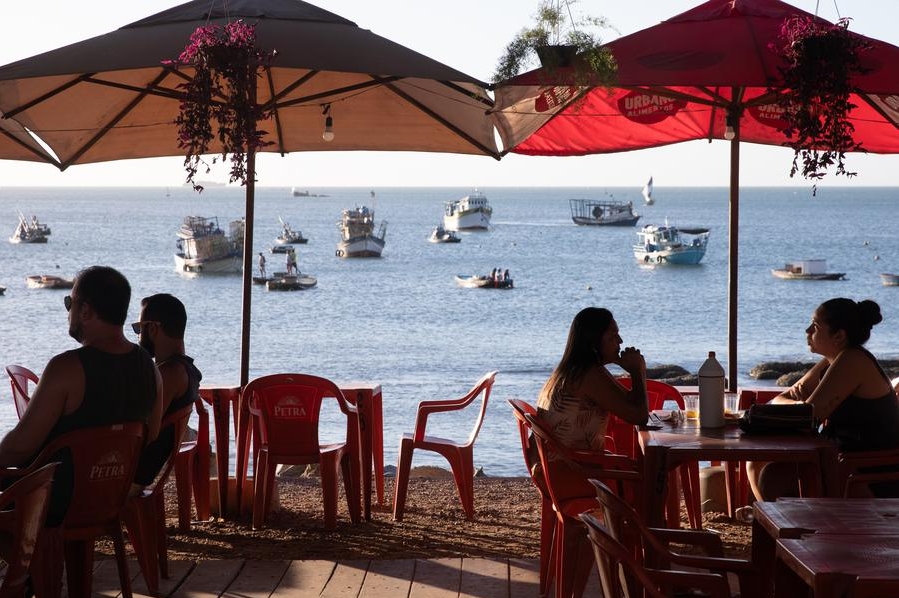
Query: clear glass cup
column 691, row 407
column 731, row 403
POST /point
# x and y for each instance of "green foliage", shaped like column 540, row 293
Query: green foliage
column 821, row 60
column 554, row 25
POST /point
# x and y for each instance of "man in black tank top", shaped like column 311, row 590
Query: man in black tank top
column 163, row 320
column 107, row 380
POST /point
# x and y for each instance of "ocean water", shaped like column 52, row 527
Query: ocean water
column 401, row 320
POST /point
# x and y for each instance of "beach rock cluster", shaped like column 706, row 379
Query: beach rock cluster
column 674, row 375
column 786, row 373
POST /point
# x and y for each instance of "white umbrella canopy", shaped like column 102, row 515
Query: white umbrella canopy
column 116, row 96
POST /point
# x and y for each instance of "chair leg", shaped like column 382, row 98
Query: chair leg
column 139, row 517
column 162, row 553
column 118, row 542
column 47, row 563
column 547, row 530
column 463, row 471
column 690, row 482
column 351, row 487
column 262, row 488
column 328, row 466
column 403, row 468
column 80, row 567
column 672, row 502
column 183, row 482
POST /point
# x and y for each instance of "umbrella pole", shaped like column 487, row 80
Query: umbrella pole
column 247, row 268
column 732, row 264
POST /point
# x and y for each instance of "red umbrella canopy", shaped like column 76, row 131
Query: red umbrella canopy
column 676, row 82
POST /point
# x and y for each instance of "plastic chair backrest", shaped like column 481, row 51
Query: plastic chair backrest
column 19, row 377
column 519, row 410
column 481, row 389
column 177, row 421
column 23, row 508
column 657, row 393
column 287, row 408
column 100, row 468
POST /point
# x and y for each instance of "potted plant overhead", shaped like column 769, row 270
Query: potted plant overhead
column 559, row 39
column 219, row 101
column 821, row 60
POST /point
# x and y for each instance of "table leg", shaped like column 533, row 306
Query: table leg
column 655, row 482
column 363, row 405
column 377, row 435
column 242, row 450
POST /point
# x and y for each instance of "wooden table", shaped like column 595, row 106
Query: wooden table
column 791, row 518
column 837, row 565
column 665, row 448
column 366, row 396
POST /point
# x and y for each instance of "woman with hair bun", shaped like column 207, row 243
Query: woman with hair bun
column 849, row 393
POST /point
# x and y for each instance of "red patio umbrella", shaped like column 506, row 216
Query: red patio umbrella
column 707, row 73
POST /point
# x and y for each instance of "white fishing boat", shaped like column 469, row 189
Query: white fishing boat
column 647, row 193
column 441, row 235
column 289, row 235
column 474, row 281
column 472, row 212
column 889, row 280
column 203, row 247
column 670, row 245
column 807, row 270
column 358, row 236
column 590, row 212
column 46, row 281
column 30, row 231
column 281, row 281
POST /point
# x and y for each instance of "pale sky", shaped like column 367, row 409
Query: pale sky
column 468, row 35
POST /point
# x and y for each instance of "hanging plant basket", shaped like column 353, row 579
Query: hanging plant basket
column 219, row 101
column 556, row 56
column 821, row 60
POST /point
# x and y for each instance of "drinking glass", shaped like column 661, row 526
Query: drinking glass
column 731, row 403
column 691, row 407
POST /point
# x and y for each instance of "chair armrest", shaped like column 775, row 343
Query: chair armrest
column 713, row 563
column 710, row 541
column 855, row 460
column 715, row 585
column 426, row 408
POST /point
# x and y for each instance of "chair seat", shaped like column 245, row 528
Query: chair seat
column 428, row 442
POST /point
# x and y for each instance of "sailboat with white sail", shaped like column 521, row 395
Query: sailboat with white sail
column 647, row 193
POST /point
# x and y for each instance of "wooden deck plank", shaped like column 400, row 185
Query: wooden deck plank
column 347, row 579
column 106, row 577
column 209, row 579
column 257, row 579
column 483, row 578
column 436, row 578
column 524, row 578
column 388, row 579
column 178, row 572
column 305, row 579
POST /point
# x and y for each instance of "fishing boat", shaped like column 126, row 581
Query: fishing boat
column 472, row 212
column 670, row 245
column 807, row 270
column 590, row 212
column 469, row 281
column 203, row 247
column 281, row 281
column 358, row 237
column 288, row 235
column 889, row 280
column 46, row 281
column 281, row 248
column 441, row 235
column 2, row 290
column 647, row 193
column 30, row 231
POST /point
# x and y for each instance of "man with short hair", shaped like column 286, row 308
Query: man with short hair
column 108, row 380
column 163, row 320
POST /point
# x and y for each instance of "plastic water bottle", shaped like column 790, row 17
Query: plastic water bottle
column 711, row 393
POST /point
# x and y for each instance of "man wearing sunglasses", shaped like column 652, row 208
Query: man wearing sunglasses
column 163, row 320
column 108, row 380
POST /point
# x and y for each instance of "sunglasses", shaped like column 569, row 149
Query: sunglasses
column 138, row 326
column 68, row 301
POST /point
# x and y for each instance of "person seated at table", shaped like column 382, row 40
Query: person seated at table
column 848, row 391
column 581, row 394
column 163, row 320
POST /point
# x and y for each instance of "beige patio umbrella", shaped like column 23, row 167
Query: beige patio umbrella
column 114, row 96
column 16, row 143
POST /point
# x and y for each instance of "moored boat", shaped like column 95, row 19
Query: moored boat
column 589, row 212
column 30, row 231
column 441, row 235
column 647, row 193
column 807, row 270
column 2, row 290
column 203, row 247
column 284, row 282
column 45, row 281
column 358, row 236
column 281, row 248
column 289, row 235
column 671, row 245
column 889, row 280
column 472, row 212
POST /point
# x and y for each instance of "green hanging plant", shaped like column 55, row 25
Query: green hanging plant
column 558, row 39
column 821, row 61
column 219, row 102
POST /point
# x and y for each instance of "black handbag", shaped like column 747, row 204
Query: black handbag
column 778, row 419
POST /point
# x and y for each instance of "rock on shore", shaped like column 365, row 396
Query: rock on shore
column 786, row 373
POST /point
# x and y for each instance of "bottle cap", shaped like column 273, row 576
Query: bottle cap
column 711, row 353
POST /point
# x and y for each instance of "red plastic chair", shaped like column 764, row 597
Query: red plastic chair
column 100, row 468
column 192, row 472
column 571, row 556
column 19, row 379
column 547, row 517
column 23, row 508
column 459, row 454
column 658, row 394
column 624, row 576
column 285, row 411
column 144, row 514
